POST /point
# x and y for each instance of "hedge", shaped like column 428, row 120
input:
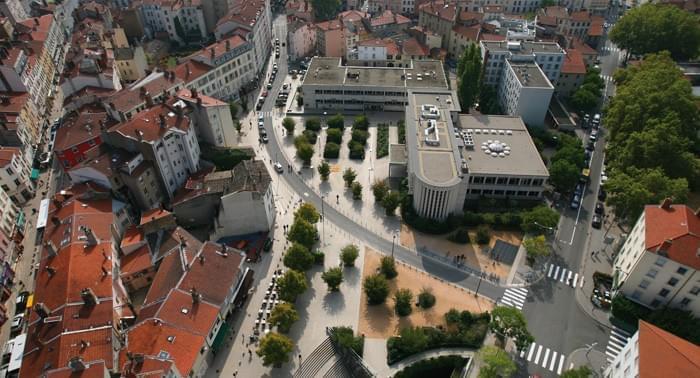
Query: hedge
column 357, row 150
column 311, row 136
column 402, row 131
column 496, row 220
column 360, row 136
column 331, row 151
column 346, row 337
column 428, row 226
column 334, row 135
column 382, row 140
column 679, row 322
column 224, row 158
column 442, row 366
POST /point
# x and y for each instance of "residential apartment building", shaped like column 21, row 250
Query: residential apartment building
column 125, row 103
column 573, row 71
column 211, row 117
column 166, row 137
column 253, row 21
column 525, row 91
column 658, row 266
column 8, row 214
column 653, row 352
column 15, row 174
column 328, row 85
column 396, row 6
column 377, row 50
column 130, row 61
column 301, row 39
column 558, row 20
column 21, row 124
column 81, row 131
column 330, row 39
column 179, row 20
column 548, row 56
column 13, row 10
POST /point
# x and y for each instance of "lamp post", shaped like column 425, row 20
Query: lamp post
column 323, row 222
column 393, row 241
column 478, row 285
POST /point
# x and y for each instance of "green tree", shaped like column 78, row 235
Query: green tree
column 652, row 28
column 303, row 233
column 403, row 299
column 540, row 217
column 274, row 349
column 333, row 277
column 509, row 322
column 334, row 135
column 283, row 316
column 331, row 151
column 324, row 169
column 325, row 9
column 336, row 122
column 291, row 285
column 488, row 100
column 390, row 202
column 179, row 30
column 547, row 3
column 584, row 100
column 349, row 176
column 237, row 125
column 483, row 234
column 307, row 211
column 289, row 124
column 452, row 317
column 360, row 123
column 536, row 247
column 387, row 267
column 298, row 258
column 426, row 299
column 233, row 108
column 469, row 71
column 580, row 372
column 304, row 152
column 349, row 254
column 379, row 188
column 496, row 363
column 376, row 288
column 356, row 188
column 313, row 124
column 563, row 175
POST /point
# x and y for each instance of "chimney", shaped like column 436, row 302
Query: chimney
column 161, row 121
column 187, row 70
column 213, row 53
column 201, row 258
column 228, row 45
column 89, row 297
column 199, row 101
column 664, row 247
column 666, row 204
column 172, row 75
column 193, row 92
column 50, row 270
column 142, row 91
column 195, row 295
column 90, row 236
column 42, row 310
column 149, row 100
column 36, row 21
column 77, row 364
column 139, row 135
column 697, row 212
column 51, row 248
column 223, row 251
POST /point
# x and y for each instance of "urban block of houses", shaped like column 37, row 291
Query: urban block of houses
column 573, row 71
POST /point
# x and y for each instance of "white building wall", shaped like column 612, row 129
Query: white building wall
column 371, row 52
column 15, row 181
column 630, row 252
column 177, row 158
column 225, row 81
column 8, row 214
column 626, row 363
column 258, row 209
column 434, row 202
column 301, row 42
column 530, row 103
column 218, row 119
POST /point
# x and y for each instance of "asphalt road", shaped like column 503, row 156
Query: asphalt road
column 382, row 243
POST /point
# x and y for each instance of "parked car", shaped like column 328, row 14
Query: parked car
column 261, row 125
column 579, row 189
column 264, row 138
column 21, row 302
column 599, row 208
column 601, row 194
column 17, row 322
column 597, row 221
column 596, row 119
column 591, row 145
column 594, row 135
column 264, row 93
column 576, row 201
column 278, row 167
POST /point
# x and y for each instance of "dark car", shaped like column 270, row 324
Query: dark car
column 602, row 194
column 264, row 138
column 597, row 221
column 599, row 208
column 591, row 145
column 575, row 202
column 579, row 189
column 21, row 302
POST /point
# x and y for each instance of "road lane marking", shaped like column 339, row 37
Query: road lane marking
column 537, row 356
column 568, row 279
column 575, row 279
column 554, row 360
column 556, row 274
column 561, row 364
column 532, row 349
column 550, row 270
column 544, row 359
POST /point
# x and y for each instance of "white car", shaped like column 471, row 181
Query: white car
column 278, row 167
column 17, row 322
column 261, row 117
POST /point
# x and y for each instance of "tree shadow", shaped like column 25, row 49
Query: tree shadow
column 334, row 302
column 351, row 275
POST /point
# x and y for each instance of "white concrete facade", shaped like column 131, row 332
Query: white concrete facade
column 159, row 18
column 14, row 176
column 8, row 214
column 259, row 213
column 229, row 71
column 518, row 97
column 301, row 40
column 548, row 55
column 626, row 363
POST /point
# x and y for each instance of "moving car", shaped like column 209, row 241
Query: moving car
column 278, row 167
column 269, row 86
column 597, row 221
column 596, row 119
column 261, row 117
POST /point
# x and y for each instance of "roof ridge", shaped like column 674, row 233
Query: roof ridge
column 664, row 337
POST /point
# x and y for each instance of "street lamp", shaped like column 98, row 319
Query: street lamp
column 323, row 221
column 393, row 241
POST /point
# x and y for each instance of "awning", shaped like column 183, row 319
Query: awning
column 43, row 213
column 220, row 338
column 35, row 174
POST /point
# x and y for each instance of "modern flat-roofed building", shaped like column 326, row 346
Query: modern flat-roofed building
column 548, row 55
column 452, row 157
column 525, row 91
column 328, row 85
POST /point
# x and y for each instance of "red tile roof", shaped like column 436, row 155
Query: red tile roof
column 491, row 37
column 133, row 96
column 663, row 354
column 190, row 70
column 469, row 32
column 15, row 102
column 81, row 126
column 151, row 367
column 153, row 214
column 213, row 272
column 186, row 94
column 677, row 224
column 136, row 261
column 573, row 63
column 596, row 27
column 7, row 153
column 133, row 235
column 440, row 9
column 181, row 310
column 219, row 48
column 414, row 48
column 147, row 124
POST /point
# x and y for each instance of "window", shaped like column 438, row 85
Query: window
column 9, row 171
column 673, row 281
column 681, row 270
column 664, row 292
column 695, row 290
column 660, row 261
column 685, row 301
column 652, row 273
column 644, row 284
column 655, row 303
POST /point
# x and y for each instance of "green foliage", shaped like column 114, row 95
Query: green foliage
column 542, row 215
column 349, row 254
column 376, row 288
column 345, row 337
column 308, row 212
column 403, row 299
column 380, row 188
column 349, row 176
column 488, row 100
column 496, row 363
column 305, row 152
column 324, row 169
column 390, row 202
column 510, row 322
column 580, row 372
column 356, row 189
column 300, row 141
column 313, row 124
column 442, row 366
column 628, row 311
column 548, row 3
column 179, row 30
column 233, row 108
column 401, row 126
column 360, row 123
column 333, row 277
column 429, row 226
column 483, row 234
column 224, row 159
column 563, row 175
column 469, row 71
column 289, row 125
column 274, row 349
column 501, row 220
column 303, row 233
column 331, row 150
column 586, row 97
column 291, row 285
column 360, row 136
column 388, row 267
column 283, row 316
column 334, row 135
column 452, row 317
column 325, row 9
column 426, row 299
column 357, row 150
column 652, row 28
column 311, row 136
column 567, row 163
column 382, row 140
column 336, row 122
column 536, row 247
column 319, row 257
column 298, row 258
column 461, row 236
column 679, row 322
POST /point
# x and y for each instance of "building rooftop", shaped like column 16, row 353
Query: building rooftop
column 523, row 47
column 430, row 140
column 573, row 63
column 499, row 135
column 674, row 231
column 530, row 75
column 663, row 354
column 152, row 124
column 81, row 126
column 421, row 74
column 7, row 154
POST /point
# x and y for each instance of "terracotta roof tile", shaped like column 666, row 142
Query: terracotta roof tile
column 212, row 272
column 147, row 124
column 180, row 309
column 491, row 37
column 470, row 32
column 663, row 354
column 81, row 127
column 153, row 214
column 596, row 27
column 573, row 63
column 136, row 261
column 132, row 96
column 186, row 94
column 7, row 153
column 413, row 47
column 169, row 273
column 191, row 70
column 677, row 224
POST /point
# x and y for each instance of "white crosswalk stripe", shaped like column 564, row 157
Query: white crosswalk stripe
column 568, row 277
column 545, row 357
column 607, row 78
column 515, row 297
column 616, row 341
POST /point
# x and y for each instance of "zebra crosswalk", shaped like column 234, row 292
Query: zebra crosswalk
column 515, row 297
column 607, row 78
column 266, row 114
column 617, row 340
column 561, row 274
column 544, row 357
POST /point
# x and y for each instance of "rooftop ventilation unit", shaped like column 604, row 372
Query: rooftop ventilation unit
column 508, row 132
column 431, row 134
column 428, row 111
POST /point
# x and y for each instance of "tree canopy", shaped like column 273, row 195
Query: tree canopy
column 307, row 211
column 376, row 288
column 325, row 9
column 288, row 124
column 298, row 258
column 652, row 28
column 349, row 254
column 536, row 247
column 469, row 73
column 510, row 322
column 333, row 277
column 539, row 217
column 303, row 233
column 291, row 285
column 496, row 363
column 283, row 316
column 274, row 349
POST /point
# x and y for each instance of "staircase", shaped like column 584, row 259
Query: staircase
column 315, row 361
column 337, row 370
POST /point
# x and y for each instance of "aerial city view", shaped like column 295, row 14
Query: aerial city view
column 350, row 188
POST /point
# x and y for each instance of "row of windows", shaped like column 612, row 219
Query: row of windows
column 359, row 93
column 513, row 181
column 499, row 192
